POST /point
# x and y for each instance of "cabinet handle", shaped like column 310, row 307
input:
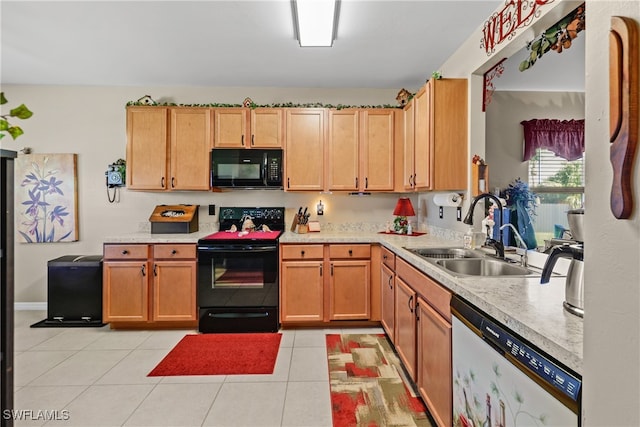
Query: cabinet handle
column 410, row 178
column 173, row 182
column 144, row 270
column 124, row 252
column 320, row 270
column 350, row 252
column 301, row 253
column 155, row 269
column 410, row 301
column 173, row 252
column 390, row 282
column 253, row 140
column 332, row 269
column 287, row 182
column 384, row 256
column 414, row 180
column 366, row 182
column 356, row 182
column 242, row 140
column 162, row 182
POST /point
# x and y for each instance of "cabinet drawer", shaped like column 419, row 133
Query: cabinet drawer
column 349, row 251
column 437, row 296
column 125, row 252
column 389, row 259
column 302, row 252
column 173, row 251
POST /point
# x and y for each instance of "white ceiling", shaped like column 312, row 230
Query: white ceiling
column 380, row 44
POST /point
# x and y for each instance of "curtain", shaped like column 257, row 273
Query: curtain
column 565, row 138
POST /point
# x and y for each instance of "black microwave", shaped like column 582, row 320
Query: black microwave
column 246, row 168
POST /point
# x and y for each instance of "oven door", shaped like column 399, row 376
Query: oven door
column 238, row 275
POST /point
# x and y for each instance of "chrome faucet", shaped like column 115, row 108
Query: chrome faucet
column 520, row 242
column 497, row 245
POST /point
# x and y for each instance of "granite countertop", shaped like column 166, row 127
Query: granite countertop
column 530, row 309
column 525, row 306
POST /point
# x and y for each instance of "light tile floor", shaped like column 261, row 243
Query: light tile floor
column 98, row 377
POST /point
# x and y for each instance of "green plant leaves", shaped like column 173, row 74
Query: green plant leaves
column 21, row 112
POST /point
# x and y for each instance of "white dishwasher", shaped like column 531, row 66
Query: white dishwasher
column 501, row 380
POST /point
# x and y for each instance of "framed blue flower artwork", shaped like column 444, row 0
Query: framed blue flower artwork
column 46, row 198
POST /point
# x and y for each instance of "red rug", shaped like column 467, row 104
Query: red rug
column 368, row 385
column 221, row 354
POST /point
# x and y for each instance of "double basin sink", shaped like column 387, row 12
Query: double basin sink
column 469, row 262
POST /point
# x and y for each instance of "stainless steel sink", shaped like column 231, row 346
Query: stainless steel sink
column 483, row 267
column 468, row 262
column 445, row 253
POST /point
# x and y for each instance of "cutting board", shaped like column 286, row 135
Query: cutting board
column 623, row 111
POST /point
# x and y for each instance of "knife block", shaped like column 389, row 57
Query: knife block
column 302, row 228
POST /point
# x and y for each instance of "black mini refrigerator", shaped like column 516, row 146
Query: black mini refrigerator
column 74, row 293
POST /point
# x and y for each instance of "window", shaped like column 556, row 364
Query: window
column 555, row 151
column 559, row 184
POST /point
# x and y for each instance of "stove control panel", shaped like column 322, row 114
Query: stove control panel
column 263, row 214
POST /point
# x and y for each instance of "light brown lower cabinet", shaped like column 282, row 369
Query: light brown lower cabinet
column 434, row 362
column 147, row 285
column 423, row 337
column 321, row 283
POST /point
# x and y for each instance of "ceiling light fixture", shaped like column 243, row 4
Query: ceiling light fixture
column 315, row 21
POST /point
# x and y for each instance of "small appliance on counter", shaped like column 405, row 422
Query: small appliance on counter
column 173, row 219
column 574, row 287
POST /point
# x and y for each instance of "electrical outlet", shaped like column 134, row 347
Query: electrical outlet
column 441, row 212
column 212, row 209
column 459, row 213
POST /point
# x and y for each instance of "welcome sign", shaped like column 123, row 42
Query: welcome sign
column 503, row 24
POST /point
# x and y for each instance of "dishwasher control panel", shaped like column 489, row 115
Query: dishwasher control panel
column 550, row 371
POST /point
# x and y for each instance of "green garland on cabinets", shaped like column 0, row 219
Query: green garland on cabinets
column 274, row 105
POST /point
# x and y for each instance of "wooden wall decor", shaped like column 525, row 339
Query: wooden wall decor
column 623, row 111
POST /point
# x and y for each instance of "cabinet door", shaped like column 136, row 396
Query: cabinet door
column 190, row 148
column 434, row 363
column 301, row 291
column 147, row 148
column 304, row 153
column 377, row 150
column 349, row 290
column 387, row 292
column 230, row 127
column 409, row 141
column 449, row 159
column 174, row 290
column 343, row 150
column 405, row 333
column 422, row 139
column 267, row 128
column 125, row 291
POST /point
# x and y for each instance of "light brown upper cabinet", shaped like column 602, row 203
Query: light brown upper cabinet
column 304, row 149
column 147, row 131
column 248, row 128
column 360, row 150
column 168, row 148
column 435, row 137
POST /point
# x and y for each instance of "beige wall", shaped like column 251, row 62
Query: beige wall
column 612, row 248
column 90, row 121
column 504, row 135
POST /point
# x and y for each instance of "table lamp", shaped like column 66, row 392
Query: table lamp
column 403, row 209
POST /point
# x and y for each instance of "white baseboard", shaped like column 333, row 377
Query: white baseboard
column 30, row 306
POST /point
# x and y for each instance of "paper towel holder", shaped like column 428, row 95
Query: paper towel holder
column 449, row 200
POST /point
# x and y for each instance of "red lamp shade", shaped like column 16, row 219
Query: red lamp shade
column 404, row 207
